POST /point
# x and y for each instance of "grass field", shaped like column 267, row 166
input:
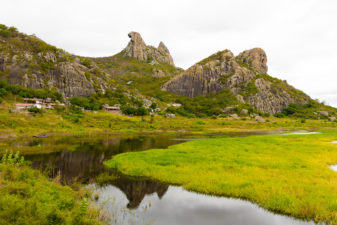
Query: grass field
column 289, row 174
column 23, row 124
column 27, row 197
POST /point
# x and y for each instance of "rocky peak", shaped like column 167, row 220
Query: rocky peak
column 222, row 71
column 162, row 48
column 137, row 48
column 256, row 58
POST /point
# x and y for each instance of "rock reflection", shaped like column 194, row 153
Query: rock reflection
column 180, row 207
column 136, row 190
column 81, row 158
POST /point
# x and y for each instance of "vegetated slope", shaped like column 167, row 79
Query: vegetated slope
column 244, row 75
column 142, row 74
column 28, row 61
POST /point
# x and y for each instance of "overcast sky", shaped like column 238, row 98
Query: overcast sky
column 299, row 36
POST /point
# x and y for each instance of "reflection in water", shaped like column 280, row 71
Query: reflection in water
column 85, row 160
column 135, row 190
column 180, row 207
column 129, row 201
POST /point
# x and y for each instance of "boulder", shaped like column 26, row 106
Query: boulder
column 323, row 113
column 259, row 119
column 332, row 118
column 170, row 115
column 244, row 112
column 234, row 116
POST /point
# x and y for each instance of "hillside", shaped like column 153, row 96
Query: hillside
column 244, row 75
column 142, row 75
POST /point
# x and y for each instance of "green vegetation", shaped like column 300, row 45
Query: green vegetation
column 71, row 119
column 308, row 110
column 35, row 110
column 6, row 89
column 126, row 69
column 27, row 197
column 215, row 56
column 289, row 174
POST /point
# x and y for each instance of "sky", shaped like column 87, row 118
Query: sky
column 299, row 36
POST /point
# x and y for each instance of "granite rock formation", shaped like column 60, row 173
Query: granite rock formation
column 139, row 50
column 28, row 61
column 245, row 76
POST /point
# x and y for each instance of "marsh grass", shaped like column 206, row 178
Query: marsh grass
column 21, row 124
column 288, row 174
column 27, row 197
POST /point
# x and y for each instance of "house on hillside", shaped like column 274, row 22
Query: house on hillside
column 26, row 106
column 38, row 103
column 33, row 100
column 114, row 108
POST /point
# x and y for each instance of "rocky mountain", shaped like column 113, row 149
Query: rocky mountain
column 28, row 61
column 139, row 50
column 148, row 73
column 244, row 75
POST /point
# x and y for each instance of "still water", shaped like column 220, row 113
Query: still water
column 130, row 201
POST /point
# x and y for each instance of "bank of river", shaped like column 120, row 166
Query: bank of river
column 124, row 200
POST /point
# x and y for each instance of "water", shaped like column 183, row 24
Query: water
column 333, row 167
column 301, row 132
column 130, row 201
column 174, row 205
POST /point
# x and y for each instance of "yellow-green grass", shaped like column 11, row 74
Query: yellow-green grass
column 289, row 174
column 22, row 124
column 27, row 197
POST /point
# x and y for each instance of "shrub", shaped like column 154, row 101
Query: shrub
column 75, row 109
column 3, row 92
column 279, row 115
column 35, row 110
column 153, row 105
column 9, row 158
column 86, row 62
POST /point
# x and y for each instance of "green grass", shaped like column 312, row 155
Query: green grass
column 23, row 124
column 27, row 197
column 288, row 174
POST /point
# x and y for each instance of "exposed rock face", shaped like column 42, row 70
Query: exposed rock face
column 256, row 58
column 323, row 113
column 259, row 119
column 67, row 77
column 139, row 50
column 244, row 112
column 244, row 75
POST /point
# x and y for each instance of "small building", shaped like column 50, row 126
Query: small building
column 33, row 100
column 176, row 105
column 111, row 108
column 26, row 106
column 52, row 105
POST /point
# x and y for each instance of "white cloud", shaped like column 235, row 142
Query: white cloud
column 298, row 36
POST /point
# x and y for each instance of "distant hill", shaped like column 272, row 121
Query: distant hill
column 218, row 85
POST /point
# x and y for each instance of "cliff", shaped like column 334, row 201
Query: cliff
column 139, row 50
column 244, row 75
column 28, row 61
